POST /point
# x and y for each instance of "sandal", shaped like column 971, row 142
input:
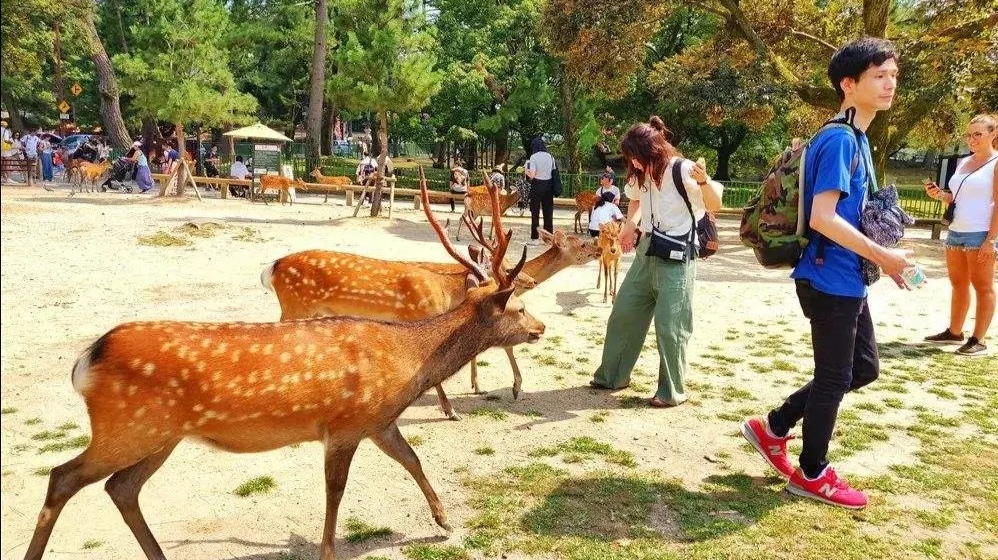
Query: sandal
column 656, row 402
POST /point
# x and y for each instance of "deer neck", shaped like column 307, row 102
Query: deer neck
column 546, row 265
column 445, row 343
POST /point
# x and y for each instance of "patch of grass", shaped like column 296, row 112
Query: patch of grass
column 358, row 531
column 936, row 519
column 556, row 339
column 584, row 447
column 292, row 556
column 49, row 435
column 784, row 365
column 415, row 440
column 493, row 413
column 32, row 421
column 258, row 485
column 92, row 544
column 724, row 358
column 599, row 417
column 163, row 239
column 942, row 393
column 891, row 402
column 534, row 414
column 870, row 406
column 729, row 394
column 66, row 426
column 75, row 443
column 931, row 548
column 631, row 401
column 8, row 410
column 206, row 229
column 482, row 363
column 42, row 471
column 431, row 552
column 546, row 360
column 248, row 235
column 484, row 451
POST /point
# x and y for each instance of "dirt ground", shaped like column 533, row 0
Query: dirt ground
column 73, row 269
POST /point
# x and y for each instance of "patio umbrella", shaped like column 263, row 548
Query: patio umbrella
column 258, row 131
column 54, row 138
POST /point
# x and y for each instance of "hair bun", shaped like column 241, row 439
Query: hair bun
column 656, row 122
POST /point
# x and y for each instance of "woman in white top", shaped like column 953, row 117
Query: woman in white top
column 655, row 287
column 605, row 210
column 539, row 169
column 970, row 243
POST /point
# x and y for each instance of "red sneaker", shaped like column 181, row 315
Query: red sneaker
column 828, row 488
column 773, row 449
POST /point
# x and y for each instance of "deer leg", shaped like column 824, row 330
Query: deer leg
column 474, row 375
column 65, row 481
column 338, row 459
column 395, row 446
column 124, row 487
column 445, row 404
column 606, row 285
column 599, row 275
column 517, row 379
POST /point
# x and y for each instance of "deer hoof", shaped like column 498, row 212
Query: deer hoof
column 442, row 522
column 516, row 393
column 454, row 416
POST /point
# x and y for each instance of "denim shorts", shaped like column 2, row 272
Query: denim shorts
column 965, row 240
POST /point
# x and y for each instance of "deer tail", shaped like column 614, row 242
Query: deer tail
column 267, row 276
column 83, row 365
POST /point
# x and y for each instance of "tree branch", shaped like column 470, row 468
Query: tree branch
column 968, row 29
column 818, row 40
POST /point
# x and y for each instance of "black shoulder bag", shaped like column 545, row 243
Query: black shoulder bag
column 706, row 238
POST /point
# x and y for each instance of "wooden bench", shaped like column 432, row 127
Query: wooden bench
column 26, row 167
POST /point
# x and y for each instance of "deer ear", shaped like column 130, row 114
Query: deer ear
column 501, row 298
column 546, row 236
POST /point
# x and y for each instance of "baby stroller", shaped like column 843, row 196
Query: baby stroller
column 123, row 169
column 522, row 185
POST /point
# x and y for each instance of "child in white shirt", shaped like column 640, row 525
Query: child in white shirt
column 604, row 211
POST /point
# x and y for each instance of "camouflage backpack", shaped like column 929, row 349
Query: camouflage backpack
column 772, row 223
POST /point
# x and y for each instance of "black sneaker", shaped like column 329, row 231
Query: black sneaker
column 973, row 346
column 945, row 337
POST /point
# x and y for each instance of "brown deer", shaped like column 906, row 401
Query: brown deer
column 564, row 251
column 609, row 258
column 478, row 202
column 279, row 183
column 251, row 387
column 584, row 202
column 336, row 181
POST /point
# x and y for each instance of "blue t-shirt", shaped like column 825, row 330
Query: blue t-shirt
column 827, row 167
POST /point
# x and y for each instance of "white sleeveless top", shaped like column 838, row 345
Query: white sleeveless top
column 975, row 200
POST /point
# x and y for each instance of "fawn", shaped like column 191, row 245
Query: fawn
column 584, row 202
column 609, row 258
column 251, row 387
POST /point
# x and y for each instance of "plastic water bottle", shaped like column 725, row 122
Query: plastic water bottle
column 913, row 276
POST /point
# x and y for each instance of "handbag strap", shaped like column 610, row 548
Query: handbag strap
column 967, row 176
column 677, row 179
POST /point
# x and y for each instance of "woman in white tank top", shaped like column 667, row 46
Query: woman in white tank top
column 970, row 242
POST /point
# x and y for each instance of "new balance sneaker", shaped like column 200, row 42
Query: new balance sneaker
column 945, row 337
column 827, row 488
column 973, row 346
column 773, row 449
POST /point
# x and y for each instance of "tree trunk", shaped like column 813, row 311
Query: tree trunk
column 331, row 125
column 58, row 81
column 110, row 110
column 439, row 154
column 317, row 94
column 16, row 123
column 501, row 153
column 571, row 130
column 731, row 140
column 383, row 142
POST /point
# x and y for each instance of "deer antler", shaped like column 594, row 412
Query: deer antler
column 442, row 234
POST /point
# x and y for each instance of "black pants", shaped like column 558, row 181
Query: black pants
column 452, row 191
column 845, row 359
column 541, row 199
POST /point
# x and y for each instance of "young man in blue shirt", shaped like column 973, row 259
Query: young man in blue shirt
column 829, row 280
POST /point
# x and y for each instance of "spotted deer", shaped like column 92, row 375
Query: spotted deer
column 279, row 183
column 609, row 258
column 252, row 387
column 478, row 202
column 564, row 250
column 584, row 202
column 335, row 181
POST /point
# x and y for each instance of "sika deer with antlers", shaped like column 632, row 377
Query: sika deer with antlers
column 248, row 387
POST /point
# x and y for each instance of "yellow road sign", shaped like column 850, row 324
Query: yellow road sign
column 76, row 89
column 63, row 106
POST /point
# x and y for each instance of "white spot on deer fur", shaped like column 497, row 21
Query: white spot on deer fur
column 197, row 408
column 181, row 352
column 205, row 343
column 285, row 357
column 180, row 391
column 254, row 348
column 149, row 369
column 185, row 374
column 171, row 402
column 173, row 382
column 307, row 376
column 122, row 404
column 268, row 349
column 220, row 349
column 201, row 367
column 132, row 389
column 188, row 426
column 296, row 408
column 140, row 412
column 235, row 355
column 346, row 393
column 136, row 363
column 152, row 432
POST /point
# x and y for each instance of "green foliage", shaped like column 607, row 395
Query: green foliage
column 178, row 67
column 258, row 485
